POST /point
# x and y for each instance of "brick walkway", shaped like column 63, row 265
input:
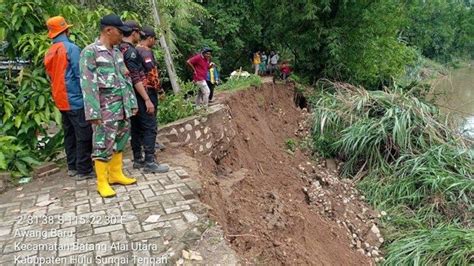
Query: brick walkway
column 148, row 223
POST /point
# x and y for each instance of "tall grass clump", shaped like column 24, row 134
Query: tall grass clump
column 410, row 163
column 443, row 245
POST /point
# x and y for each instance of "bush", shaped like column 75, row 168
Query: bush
column 177, row 106
column 14, row 158
column 419, row 170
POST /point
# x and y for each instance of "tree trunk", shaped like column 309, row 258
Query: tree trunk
column 168, row 59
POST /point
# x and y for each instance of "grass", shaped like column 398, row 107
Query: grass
column 239, row 83
column 374, row 127
column 419, row 170
column 443, row 245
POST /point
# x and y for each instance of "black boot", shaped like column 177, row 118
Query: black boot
column 151, row 166
column 138, row 161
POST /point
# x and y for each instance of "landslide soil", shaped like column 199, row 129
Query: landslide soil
column 257, row 191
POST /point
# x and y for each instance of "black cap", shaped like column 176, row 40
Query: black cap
column 114, row 21
column 148, row 31
column 206, row 49
column 133, row 25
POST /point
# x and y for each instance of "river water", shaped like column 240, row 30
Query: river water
column 455, row 96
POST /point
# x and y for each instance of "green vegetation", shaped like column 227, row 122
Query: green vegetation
column 441, row 30
column 181, row 105
column 291, row 145
column 238, row 83
column 14, row 158
column 367, row 43
column 418, row 169
column 176, row 106
column 443, row 245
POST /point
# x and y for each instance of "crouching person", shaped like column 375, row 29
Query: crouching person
column 109, row 103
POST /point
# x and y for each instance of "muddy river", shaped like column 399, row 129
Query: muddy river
column 455, row 95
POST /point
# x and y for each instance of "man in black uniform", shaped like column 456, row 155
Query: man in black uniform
column 143, row 129
column 153, row 85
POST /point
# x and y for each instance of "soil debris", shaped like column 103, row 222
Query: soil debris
column 280, row 207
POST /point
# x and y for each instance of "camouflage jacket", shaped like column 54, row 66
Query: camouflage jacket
column 107, row 89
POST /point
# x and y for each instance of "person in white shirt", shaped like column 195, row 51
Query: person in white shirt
column 273, row 61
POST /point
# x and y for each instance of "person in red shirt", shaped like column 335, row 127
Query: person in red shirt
column 200, row 64
column 285, row 70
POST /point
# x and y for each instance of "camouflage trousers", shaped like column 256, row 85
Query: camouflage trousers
column 109, row 137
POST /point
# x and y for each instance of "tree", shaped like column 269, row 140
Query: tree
column 168, row 59
column 441, row 30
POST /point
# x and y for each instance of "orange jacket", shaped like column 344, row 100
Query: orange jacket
column 62, row 66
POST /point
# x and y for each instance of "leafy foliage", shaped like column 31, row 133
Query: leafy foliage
column 14, row 158
column 367, row 43
column 441, row 30
column 177, row 106
column 418, row 169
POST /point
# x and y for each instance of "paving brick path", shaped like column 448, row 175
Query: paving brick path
column 148, row 223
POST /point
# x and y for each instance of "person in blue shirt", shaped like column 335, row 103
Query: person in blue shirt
column 212, row 79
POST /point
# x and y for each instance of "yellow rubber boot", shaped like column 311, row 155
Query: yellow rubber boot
column 103, row 187
column 116, row 175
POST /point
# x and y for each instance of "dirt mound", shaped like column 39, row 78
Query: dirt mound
column 277, row 207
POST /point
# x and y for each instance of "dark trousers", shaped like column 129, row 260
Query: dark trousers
column 77, row 141
column 144, row 128
column 211, row 88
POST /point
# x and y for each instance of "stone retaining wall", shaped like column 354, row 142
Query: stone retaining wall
column 209, row 134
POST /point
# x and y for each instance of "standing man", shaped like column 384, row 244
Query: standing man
column 144, row 128
column 62, row 65
column 200, row 66
column 212, row 79
column 109, row 103
column 270, row 68
column 263, row 64
column 274, row 61
column 256, row 62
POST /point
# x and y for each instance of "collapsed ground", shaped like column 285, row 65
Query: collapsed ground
column 279, row 206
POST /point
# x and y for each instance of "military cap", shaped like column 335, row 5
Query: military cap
column 133, row 25
column 114, row 21
column 148, row 31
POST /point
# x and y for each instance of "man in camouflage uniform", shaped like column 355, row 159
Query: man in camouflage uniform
column 143, row 128
column 109, row 103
